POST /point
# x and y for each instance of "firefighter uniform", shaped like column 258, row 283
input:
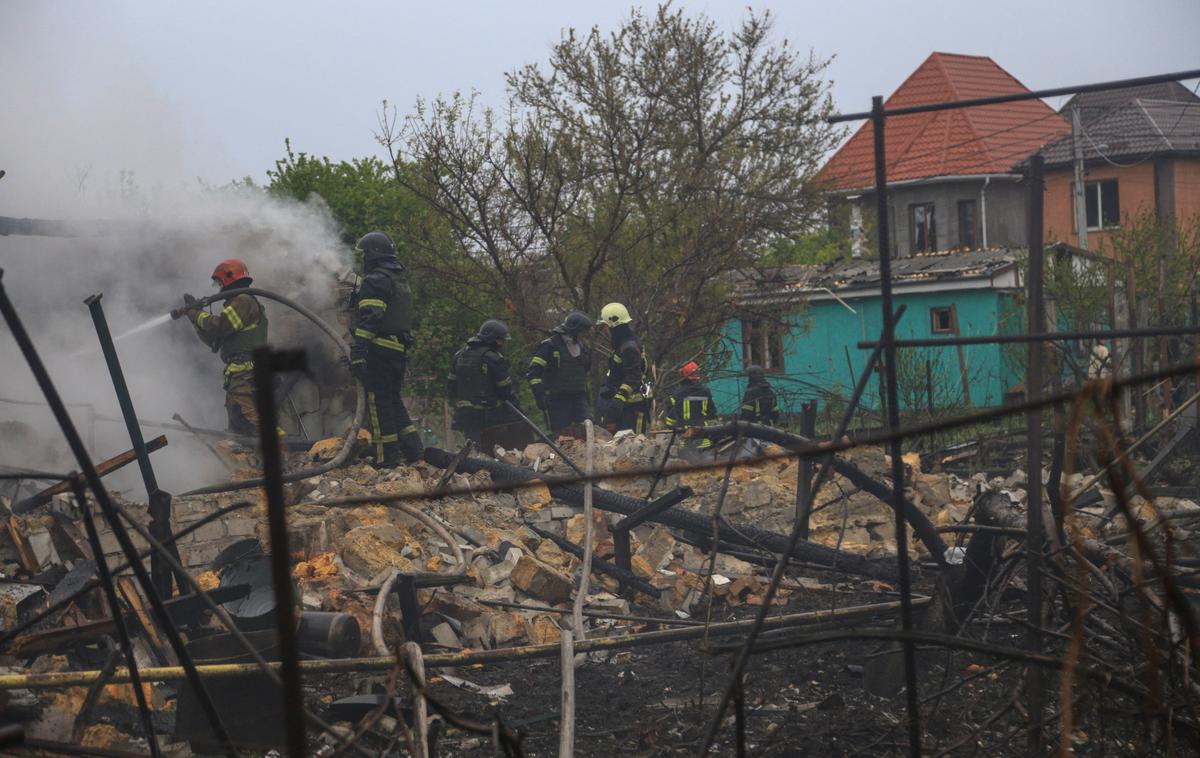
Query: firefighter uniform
column 691, row 406
column 234, row 333
column 558, row 372
column 759, row 405
column 479, row 382
column 627, row 383
column 382, row 338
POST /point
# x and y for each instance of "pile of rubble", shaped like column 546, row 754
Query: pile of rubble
column 492, row 567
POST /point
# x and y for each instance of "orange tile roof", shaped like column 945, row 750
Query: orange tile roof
column 987, row 139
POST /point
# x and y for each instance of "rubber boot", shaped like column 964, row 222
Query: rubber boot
column 392, row 456
column 412, row 447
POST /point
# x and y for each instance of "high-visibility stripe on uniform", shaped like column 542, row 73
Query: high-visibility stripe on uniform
column 534, row 380
column 231, row 315
column 538, row 360
column 506, row 381
column 238, row 367
column 371, row 302
column 391, row 343
column 364, row 333
column 202, row 317
column 376, row 430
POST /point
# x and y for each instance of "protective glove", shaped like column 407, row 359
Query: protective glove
column 189, row 301
column 358, row 361
column 607, row 392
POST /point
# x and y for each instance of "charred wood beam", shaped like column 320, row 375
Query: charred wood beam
column 738, row 534
column 104, row 468
column 625, row 577
column 859, row 478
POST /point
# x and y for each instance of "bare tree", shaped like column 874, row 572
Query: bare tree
column 641, row 166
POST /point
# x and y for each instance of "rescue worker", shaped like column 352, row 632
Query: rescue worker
column 479, row 381
column 379, row 355
column 627, row 382
column 759, row 405
column 691, row 406
column 234, row 333
column 558, row 371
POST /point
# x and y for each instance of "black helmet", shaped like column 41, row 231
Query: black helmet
column 755, row 373
column 376, row 243
column 575, row 324
column 493, row 331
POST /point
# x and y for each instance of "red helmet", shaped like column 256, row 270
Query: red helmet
column 690, row 370
column 230, row 271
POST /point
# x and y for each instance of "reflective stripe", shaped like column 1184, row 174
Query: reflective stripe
column 371, row 302
column 616, row 358
column 391, row 343
column 390, row 438
column 231, row 315
column 538, row 360
column 365, row 334
column 202, row 317
column 687, row 410
column 506, row 381
column 376, row 432
column 238, row 368
column 468, row 404
column 534, row 381
column 410, row 429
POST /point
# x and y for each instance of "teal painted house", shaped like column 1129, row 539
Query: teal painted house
column 803, row 325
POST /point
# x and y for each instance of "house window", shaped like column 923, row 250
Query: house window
column 967, row 223
column 923, row 231
column 941, row 320
column 1103, row 203
column 762, row 344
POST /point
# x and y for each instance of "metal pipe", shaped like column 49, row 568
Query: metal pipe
column 54, row 680
column 158, row 500
column 1035, row 538
column 888, row 337
column 838, row 118
column 114, row 606
column 13, row 319
column 267, row 363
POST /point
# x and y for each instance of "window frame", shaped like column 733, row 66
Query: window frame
column 765, row 337
column 934, row 328
column 930, row 231
column 1094, row 191
column 973, row 204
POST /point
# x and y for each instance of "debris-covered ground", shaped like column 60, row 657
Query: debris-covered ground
column 498, row 570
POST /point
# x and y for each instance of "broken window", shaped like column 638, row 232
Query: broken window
column 762, row 344
column 923, row 231
column 967, row 223
column 941, row 320
column 1103, row 203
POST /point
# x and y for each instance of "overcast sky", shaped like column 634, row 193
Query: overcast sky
column 211, row 89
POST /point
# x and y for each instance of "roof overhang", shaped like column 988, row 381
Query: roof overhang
column 1005, row 278
column 944, row 179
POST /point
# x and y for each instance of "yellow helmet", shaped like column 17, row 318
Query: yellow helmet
column 615, row 314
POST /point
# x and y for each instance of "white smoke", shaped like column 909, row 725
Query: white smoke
column 102, row 144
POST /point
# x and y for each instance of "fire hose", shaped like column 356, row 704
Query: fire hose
column 360, row 405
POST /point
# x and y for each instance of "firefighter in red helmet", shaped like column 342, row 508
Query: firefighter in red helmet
column 690, row 407
column 234, row 332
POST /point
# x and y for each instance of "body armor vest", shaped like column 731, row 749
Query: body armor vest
column 471, row 377
column 570, row 372
column 397, row 319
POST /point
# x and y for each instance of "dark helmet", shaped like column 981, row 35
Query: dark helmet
column 575, row 324
column 493, row 331
column 376, row 244
column 755, row 373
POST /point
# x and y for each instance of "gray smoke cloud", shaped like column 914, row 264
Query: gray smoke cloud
column 101, row 144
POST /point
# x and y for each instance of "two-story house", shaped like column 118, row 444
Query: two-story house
column 1140, row 149
column 951, row 182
